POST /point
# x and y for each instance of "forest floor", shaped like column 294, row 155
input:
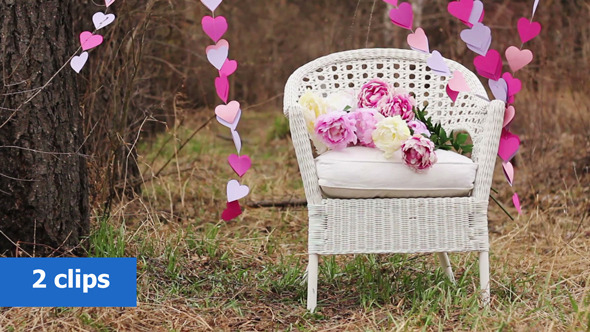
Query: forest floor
column 198, row 273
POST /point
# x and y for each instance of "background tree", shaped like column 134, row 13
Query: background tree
column 43, row 176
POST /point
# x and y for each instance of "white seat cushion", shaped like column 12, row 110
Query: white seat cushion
column 361, row 172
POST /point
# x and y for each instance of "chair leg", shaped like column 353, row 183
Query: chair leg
column 445, row 263
column 312, row 282
column 484, row 277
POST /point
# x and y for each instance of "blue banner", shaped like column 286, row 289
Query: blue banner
column 68, row 282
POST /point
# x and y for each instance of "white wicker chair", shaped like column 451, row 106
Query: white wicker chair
column 398, row 225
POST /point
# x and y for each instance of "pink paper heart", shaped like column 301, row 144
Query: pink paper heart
column 508, row 171
column 228, row 112
column 391, row 2
column 240, row 164
column 518, row 59
column 233, row 125
column 215, row 28
column 461, row 9
column 237, row 140
column 418, row 41
column 516, row 202
column 508, row 115
column 402, row 16
column 217, row 54
column 514, row 84
column 228, row 68
column 509, row 145
column 211, row 4
column 108, row 2
column 490, row 65
column 79, row 61
column 235, row 191
column 89, row 41
column 527, row 29
column 458, row 83
column 232, row 210
column 222, row 87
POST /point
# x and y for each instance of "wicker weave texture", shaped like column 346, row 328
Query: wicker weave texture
column 339, row 226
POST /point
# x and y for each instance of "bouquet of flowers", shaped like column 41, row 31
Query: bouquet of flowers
column 378, row 116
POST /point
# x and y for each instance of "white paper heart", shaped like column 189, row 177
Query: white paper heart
column 237, row 140
column 218, row 53
column 101, row 20
column 79, row 61
column 211, row 4
column 235, row 191
column 108, row 2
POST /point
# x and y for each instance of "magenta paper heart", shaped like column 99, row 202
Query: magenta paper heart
column 499, row 89
column 508, row 171
column 228, row 112
column 240, row 164
column 509, row 145
column 527, row 29
column 101, row 20
column 237, row 140
column 108, row 2
column 478, row 38
column 232, row 125
column 518, row 59
column 217, row 54
column 477, row 13
column 508, row 115
column 490, row 65
column 418, row 41
column 402, row 16
column 391, row 2
column 514, row 84
column 211, row 4
column 89, row 41
column 461, row 9
column 232, row 210
column 436, row 62
column 222, row 87
column 236, row 191
column 228, row 68
column 215, row 28
column 79, row 61
column 516, row 202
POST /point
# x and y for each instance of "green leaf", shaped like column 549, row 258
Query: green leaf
column 461, row 138
column 468, row 148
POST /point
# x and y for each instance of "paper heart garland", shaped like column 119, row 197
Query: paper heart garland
column 240, row 164
column 222, row 87
column 232, row 210
column 211, row 4
column 89, row 41
column 527, row 29
column 499, row 89
column 235, row 191
column 436, row 62
column 490, row 65
column 228, row 68
column 457, row 84
column 215, row 28
column 228, row 112
column 478, row 38
column 508, row 115
column 402, row 16
column 509, row 145
column 79, row 61
column 418, row 41
column 217, row 54
column 101, row 20
column 514, row 84
column 508, row 171
column 518, row 59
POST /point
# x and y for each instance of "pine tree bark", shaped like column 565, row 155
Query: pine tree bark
column 43, row 177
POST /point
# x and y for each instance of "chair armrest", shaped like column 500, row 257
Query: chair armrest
column 486, row 149
column 303, row 151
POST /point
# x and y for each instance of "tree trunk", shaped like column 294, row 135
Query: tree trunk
column 43, row 176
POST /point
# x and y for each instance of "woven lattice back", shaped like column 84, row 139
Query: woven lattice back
column 403, row 68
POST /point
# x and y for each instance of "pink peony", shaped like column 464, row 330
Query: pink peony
column 372, row 92
column 336, row 130
column 418, row 127
column 418, row 153
column 400, row 103
column 366, row 122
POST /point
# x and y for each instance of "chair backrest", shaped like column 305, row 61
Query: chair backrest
column 403, row 68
